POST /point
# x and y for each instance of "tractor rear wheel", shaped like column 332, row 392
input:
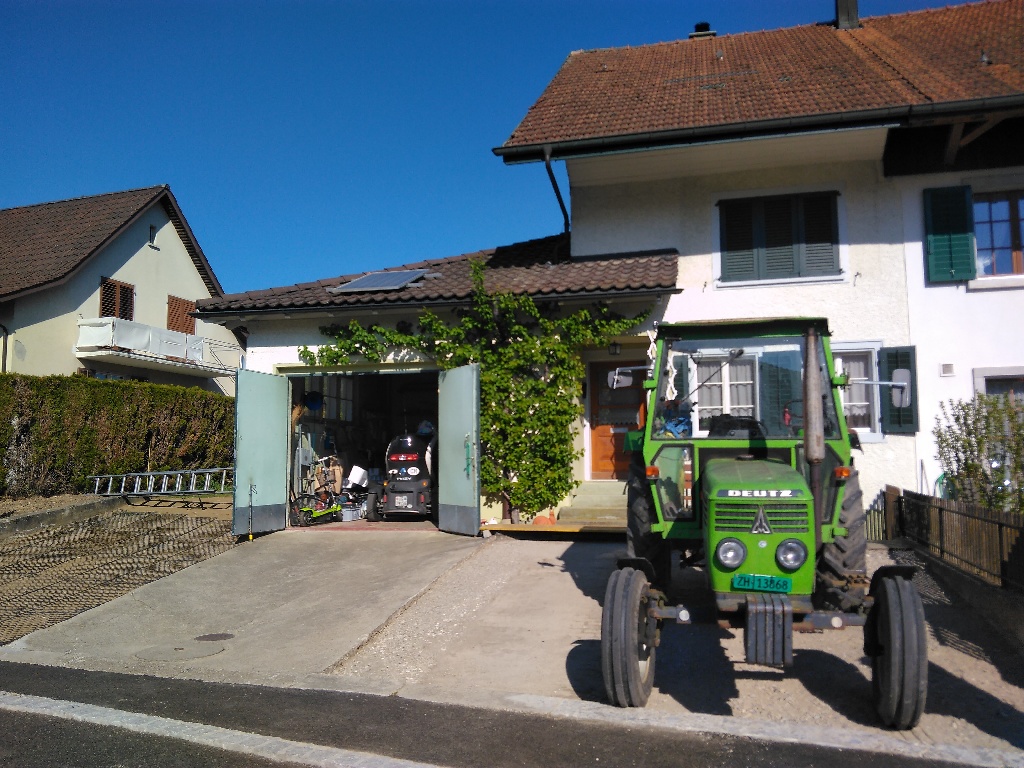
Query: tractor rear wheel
column 628, row 640
column 899, row 665
column 842, row 568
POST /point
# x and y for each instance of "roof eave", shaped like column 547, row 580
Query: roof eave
column 628, row 294
column 913, row 114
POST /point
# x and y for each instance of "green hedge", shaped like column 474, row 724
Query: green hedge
column 55, row 431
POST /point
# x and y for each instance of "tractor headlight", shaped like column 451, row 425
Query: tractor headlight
column 791, row 554
column 731, row 553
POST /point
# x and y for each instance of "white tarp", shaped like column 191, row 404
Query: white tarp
column 107, row 332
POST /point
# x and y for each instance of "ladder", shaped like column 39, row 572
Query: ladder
column 177, row 482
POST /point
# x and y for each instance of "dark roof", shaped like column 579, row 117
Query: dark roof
column 923, row 63
column 43, row 245
column 539, row 268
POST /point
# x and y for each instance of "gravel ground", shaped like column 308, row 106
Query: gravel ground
column 523, row 616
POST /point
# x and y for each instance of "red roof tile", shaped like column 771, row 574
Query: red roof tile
column 925, row 60
column 540, row 268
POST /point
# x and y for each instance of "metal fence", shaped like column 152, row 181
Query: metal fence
column 981, row 542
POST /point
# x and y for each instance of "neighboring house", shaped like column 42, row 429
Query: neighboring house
column 105, row 286
column 869, row 171
column 863, row 171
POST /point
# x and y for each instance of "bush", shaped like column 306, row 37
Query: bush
column 981, row 450
column 55, row 431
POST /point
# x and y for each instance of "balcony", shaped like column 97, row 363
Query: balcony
column 137, row 345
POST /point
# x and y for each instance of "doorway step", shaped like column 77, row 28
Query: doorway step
column 597, row 502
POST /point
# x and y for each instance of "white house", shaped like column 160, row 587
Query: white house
column 817, row 170
column 104, row 286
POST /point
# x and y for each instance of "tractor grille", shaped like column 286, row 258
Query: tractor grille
column 783, row 518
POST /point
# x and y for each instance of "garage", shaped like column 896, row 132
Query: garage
column 288, row 425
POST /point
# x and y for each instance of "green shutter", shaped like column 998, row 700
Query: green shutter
column 897, row 420
column 780, row 388
column 949, row 235
column 821, row 236
column 779, row 224
column 739, row 261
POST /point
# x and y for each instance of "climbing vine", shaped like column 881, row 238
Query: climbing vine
column 531, row 376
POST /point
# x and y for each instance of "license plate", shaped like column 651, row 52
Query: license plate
column 401, row 501
column 749, row 582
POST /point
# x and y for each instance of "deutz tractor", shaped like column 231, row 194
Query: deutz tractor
column 743, row 473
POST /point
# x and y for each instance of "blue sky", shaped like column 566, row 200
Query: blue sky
column 306, row 140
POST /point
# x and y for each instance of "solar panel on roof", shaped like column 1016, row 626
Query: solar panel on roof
column 380, row 281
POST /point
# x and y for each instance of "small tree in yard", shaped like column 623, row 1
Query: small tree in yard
column 531, row 378
column 981, row 450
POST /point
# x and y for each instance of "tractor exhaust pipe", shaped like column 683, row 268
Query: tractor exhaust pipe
column 814, row 428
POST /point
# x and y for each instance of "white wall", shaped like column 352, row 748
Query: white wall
column 973, row 326
column 867, row 303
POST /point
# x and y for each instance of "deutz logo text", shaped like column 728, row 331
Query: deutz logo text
column 746, row 494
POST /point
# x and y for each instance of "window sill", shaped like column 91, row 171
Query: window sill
column 816, row 280
column 996, row 283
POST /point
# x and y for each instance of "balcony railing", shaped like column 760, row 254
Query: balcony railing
column 133, row 344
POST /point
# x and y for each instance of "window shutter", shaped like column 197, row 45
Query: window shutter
column 780, row 385
column 108, row 299
column 178, row 317
column 949, row 234
column 821, row 236
column 739, row 261
column 897, row 420
column 779, row 243
column 126, row 308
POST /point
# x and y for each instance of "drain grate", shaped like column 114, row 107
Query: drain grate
column 50, row 575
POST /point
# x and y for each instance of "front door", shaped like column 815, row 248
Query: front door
column 613, row 412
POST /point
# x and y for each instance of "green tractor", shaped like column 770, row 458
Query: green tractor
column 743, row 473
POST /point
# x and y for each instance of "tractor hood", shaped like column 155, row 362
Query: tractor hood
column 744, row 478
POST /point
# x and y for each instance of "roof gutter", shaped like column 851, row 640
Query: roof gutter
column 914, row 114
column 3, row 362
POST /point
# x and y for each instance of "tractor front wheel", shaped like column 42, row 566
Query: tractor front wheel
column 898, row 639
column 628, row 640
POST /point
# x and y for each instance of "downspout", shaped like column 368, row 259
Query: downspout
column 554, row 186
column 3, row 361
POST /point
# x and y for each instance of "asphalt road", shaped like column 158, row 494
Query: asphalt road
column 330, row 728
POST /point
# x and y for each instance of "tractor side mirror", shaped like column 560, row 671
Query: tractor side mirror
column 620, row 379
column 901, row 394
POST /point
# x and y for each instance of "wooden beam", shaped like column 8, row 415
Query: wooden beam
column 984, row 127
column 956, row 130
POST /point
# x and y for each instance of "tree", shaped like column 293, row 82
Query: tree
column 980, row 446
column 531, row 376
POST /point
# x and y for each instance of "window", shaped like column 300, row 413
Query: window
column 1005, row 385
column 178, row 317
column 117, row 299
column 998, row 232
column 860, row 401
column 728, row 389
column 869, row 408
column 967, row 235
column 771, row 238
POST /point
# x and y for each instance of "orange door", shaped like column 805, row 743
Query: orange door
column 613, row 412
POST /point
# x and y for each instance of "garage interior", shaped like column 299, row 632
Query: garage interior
column 354, row 416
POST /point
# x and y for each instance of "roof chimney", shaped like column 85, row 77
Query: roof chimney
column 846, row 14
column 703, row 29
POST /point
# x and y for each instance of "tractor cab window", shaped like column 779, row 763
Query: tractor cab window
column 740, row 389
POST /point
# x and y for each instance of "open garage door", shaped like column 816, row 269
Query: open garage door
column 261, row 453
column 458, row 443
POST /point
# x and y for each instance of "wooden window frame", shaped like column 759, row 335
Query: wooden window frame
column 1015, row 202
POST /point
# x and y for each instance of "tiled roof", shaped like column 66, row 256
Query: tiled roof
column 925, row 60
column 540, row 268
column 45, row 243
